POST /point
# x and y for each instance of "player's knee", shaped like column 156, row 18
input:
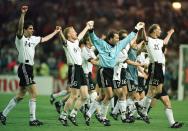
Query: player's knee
column 108, row 98
column 74, row 97
column 158, row 91
column 167, row 103
column 85, row 97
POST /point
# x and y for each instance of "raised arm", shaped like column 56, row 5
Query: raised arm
column 50, row 36
column 167, row 38
column 123, row 43
column 89, row 25
column 21, row 21
column 62, row 37
column 95, row 40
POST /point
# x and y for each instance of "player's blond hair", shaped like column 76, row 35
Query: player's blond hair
column 66, row 31
column 152, row 28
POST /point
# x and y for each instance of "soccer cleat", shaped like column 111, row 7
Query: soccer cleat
column 139, row 111
column 35, row 123
column 73, row 120
column 82, row 110
column 115, row 116
column 2, row 118
column 87, row 119
column 98, row 117
column 129, row 119
column 146, row 119
column 177, row 125
column 52, row 99
column 63, row 121
column 106, row 122
column 58, row 107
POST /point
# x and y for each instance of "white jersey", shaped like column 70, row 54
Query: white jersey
column 154, row 48
column 26, row 49
column 122, row 56
column 164, row 61
column 143, row 60
column 87, row 53
column 73, row 52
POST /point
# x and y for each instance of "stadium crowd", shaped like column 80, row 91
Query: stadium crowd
column 108, row 15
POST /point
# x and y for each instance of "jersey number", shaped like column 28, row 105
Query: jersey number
column 156, row 47
column 27, row 44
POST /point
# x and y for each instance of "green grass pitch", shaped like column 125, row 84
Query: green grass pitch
column 18, row 118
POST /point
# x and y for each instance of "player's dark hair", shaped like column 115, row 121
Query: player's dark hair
column 121, row 34
column 27, row 23
column 110, row 35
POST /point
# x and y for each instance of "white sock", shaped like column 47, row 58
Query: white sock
column 63, row 115
column 116, row 108
column 12, row 103
column 104, row 111
column 61, row 93
column 169, row 115
column 92, row 108
column 112, row 102
column 141, row 102
column 73, row 113
column 93, row 96
column 32, row 109
column 130, row 101
column 147, row 103
column 123, row 107
column 132, row 109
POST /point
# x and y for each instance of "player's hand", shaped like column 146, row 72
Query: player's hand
column 140, row 25
column 24, row 9
column 90, row 24
column 58, row 29
column 171, row 31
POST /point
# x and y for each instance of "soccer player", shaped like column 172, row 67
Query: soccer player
column 156, row 79
column 108, row 50
column 76, row 77
column 25, row 44
column 164, row 98
column 89, row 59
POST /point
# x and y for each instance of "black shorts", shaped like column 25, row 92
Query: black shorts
column 123, row 80
column 76, row 76
column 163, row 93
column 90, row 83
column 156, row 75
column 123, row 77
column 105, row 77
column 131, row 86
column 98, row 78
column 25, row 74
column 141, row 84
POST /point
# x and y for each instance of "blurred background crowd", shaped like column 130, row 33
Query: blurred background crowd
column 108, row 14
